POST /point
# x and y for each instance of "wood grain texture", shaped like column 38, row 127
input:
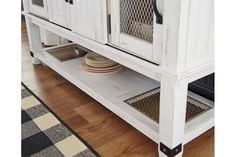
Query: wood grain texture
column 92, row 19
column 104, row 131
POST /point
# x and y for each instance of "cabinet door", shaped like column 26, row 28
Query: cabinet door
column 133, row 28
column 59, row 12
column 38, row 7
column 89, row 18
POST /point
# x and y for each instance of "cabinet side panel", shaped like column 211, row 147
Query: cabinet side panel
column 200, row 47
column 175, row 31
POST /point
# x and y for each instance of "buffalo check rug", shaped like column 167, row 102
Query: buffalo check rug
column 44, row 134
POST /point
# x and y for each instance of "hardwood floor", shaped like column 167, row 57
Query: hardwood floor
column 108, row 134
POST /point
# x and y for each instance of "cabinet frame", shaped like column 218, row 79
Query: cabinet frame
column 173, row 73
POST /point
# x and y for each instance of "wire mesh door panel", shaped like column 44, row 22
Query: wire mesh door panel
column 136, row 19
column 38, row 3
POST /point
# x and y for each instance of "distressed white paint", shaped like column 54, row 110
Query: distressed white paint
column 175, row 33
column 58, row 12
column 128, row 43
column 124, row 84
column 49, row 38
column 158, row 36
column 137, row 64
column 34, row 38
column 172, row 112
column 149, row 51
column 26, row 5
column 183, row 45
column 198, row 125
column 88, row 18
column 110, row 90
column 188, row 35
column 200, row 46
column 38, row 10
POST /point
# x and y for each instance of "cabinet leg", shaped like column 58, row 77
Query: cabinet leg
column 34, row 37
column 172, row 116
column 36, row 61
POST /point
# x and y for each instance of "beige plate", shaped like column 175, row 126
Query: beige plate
column 95, row 60
column 111, row 69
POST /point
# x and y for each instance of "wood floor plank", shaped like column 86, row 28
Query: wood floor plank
column 147, row 148
column 203, row 146
column 76, row 120
column 104, row 131
column 93, row 108
column 123, row 145
column 44, row 83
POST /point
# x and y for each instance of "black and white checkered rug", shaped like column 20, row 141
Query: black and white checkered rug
column 44, row 134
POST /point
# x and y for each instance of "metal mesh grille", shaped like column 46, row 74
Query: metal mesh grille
column 38, row 3
column 136, row 18
column 148, row 104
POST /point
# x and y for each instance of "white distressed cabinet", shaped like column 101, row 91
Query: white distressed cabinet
column 164, row 44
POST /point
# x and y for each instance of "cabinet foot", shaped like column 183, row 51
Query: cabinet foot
column 168, row 152
column 163, row 155
column 35, row 61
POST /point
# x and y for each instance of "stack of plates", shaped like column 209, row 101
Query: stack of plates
column 96, row 63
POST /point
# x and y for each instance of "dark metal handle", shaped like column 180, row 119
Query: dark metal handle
column 71, row 2
column 158, row 15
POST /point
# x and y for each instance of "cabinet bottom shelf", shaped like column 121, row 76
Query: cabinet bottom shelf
column 121, row 92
